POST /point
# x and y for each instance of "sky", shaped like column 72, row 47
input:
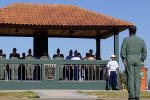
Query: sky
column 136, row 11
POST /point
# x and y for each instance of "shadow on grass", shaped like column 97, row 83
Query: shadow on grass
column 113, row 94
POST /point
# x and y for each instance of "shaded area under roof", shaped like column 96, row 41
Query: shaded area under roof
column 60, row 20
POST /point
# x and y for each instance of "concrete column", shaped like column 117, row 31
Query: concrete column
column 116, row 44
column 40, row 43
column 98, row 54
column 116, row 50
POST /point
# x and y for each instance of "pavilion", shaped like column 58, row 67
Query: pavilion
column 42, row 21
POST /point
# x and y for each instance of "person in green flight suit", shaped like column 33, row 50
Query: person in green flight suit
column 2, row 66
column 29, row 67
column 133, row 54
column 14, row 67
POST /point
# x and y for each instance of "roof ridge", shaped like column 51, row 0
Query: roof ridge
column 37, row 4
column 102, row 15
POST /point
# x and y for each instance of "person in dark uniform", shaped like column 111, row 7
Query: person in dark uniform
column 68, row 69
column 70, row 55
column 14, row 54
column 14, row 67
column 58, row 55
column 91, row 69
column 23, row 56
column 133, row 54
column 30, row 67
column 91, row 53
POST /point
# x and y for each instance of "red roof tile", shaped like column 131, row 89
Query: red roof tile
column 55, row 15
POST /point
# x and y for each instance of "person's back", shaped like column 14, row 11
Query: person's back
column 133, row 45
column 133, row 54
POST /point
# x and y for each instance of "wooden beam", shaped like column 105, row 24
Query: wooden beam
column 105, row 34
column 63, row 27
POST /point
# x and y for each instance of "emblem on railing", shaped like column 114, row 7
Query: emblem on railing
column 50, row 71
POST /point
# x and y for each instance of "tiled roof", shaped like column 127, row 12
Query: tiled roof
column 55, row 15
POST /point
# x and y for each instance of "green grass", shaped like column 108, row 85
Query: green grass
column 26, row 94
column 113, row 94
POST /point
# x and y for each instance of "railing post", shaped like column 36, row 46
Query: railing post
column 43, row 72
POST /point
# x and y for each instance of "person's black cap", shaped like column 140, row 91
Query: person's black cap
column 90, row 50
column 70, row 51
column 14, row 49
column 29, row 50
column 58, row 49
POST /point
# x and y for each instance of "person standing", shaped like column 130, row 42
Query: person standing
column 23, row 56
column 75, row 67
column 70, row 55
column 29, row 67
column 58, row 56
column 14, row 54
column 112, row 66
column 91, row 53
column 68, row 69
column 14, row 67
column 133, row 54
column 3, row 66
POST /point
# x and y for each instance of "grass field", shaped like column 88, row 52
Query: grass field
column 113, row 94
column 15, row 95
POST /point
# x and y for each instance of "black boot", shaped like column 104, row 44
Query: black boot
column 131, row 98
column 137, row 98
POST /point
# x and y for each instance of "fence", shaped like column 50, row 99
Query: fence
column 52, row 74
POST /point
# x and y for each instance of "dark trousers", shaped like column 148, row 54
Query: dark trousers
column 113, row 79
column 76, row 72
column 21, row 72
column 37, row 72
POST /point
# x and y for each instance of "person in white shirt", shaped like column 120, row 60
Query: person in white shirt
column 112, row 67
column 75, row 67
column 75, row 57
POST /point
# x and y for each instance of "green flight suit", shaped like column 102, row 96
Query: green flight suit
column 133, row 52
column 30, row 68
column 2, row 69
column 44, row 58
column 14, row 69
